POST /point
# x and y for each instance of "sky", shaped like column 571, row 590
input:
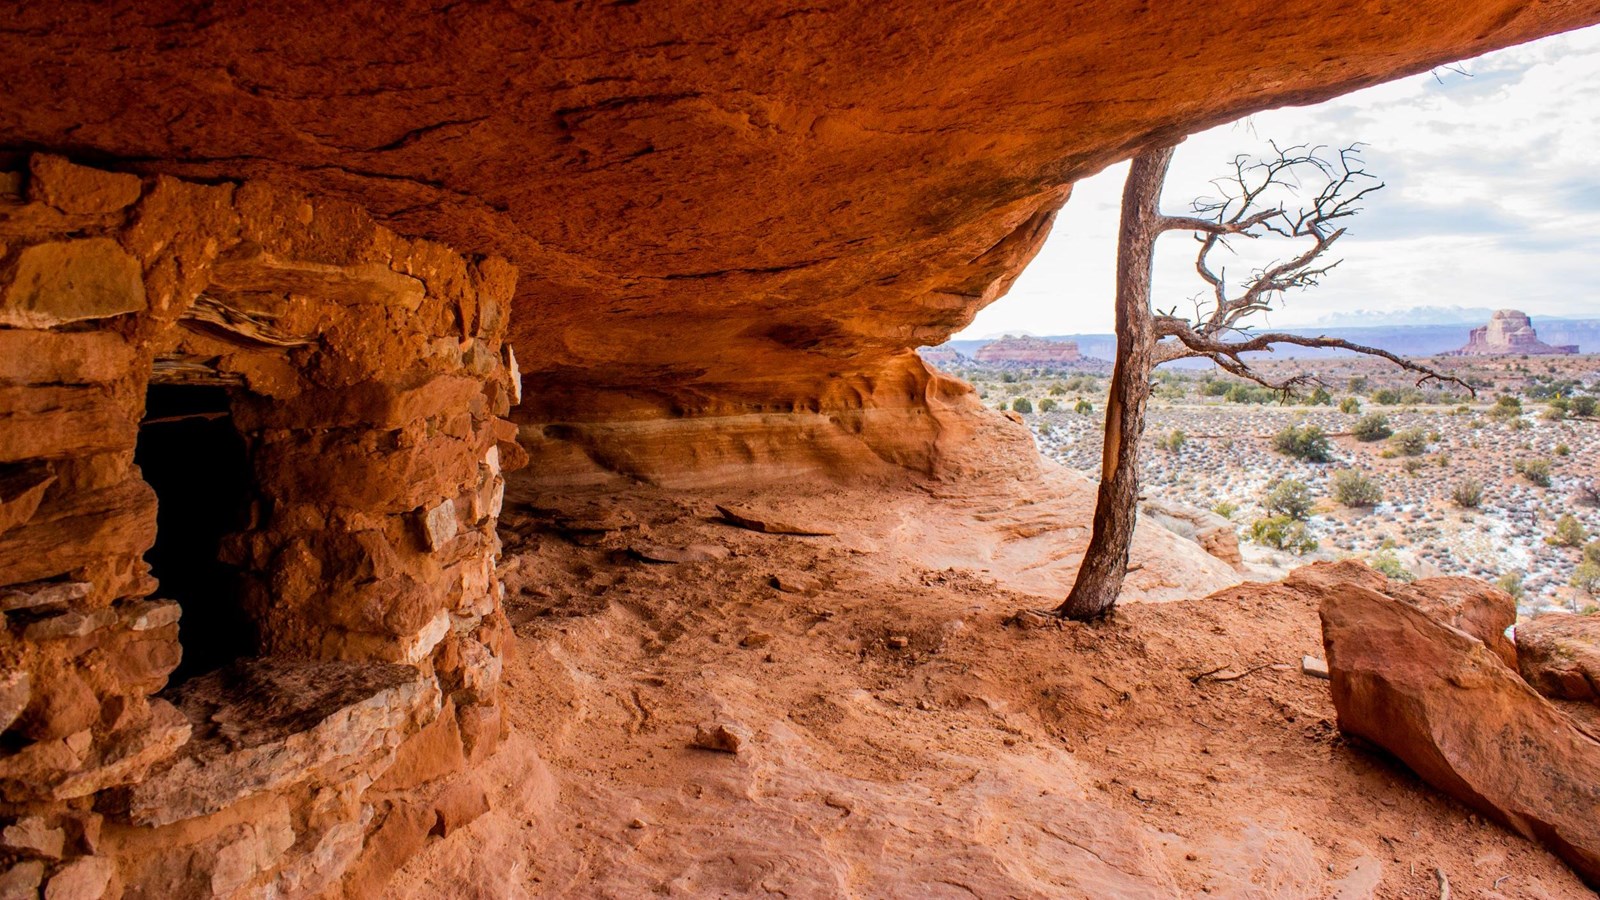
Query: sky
column 1492, row 200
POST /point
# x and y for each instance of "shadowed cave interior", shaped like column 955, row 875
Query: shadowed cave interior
column 191, row 454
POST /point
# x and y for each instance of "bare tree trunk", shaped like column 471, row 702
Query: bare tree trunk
column 1105, row 563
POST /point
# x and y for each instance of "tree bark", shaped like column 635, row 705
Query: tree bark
column 1105, row 563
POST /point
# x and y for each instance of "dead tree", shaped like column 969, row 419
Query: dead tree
column 1219, row 328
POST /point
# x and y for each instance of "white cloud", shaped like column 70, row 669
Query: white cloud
column 1493, row 199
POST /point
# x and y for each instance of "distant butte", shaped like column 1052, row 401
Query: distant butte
column 1028, row 351
column 1510, row 331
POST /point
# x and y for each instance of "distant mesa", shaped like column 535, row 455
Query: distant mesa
column 1028, row 351
column 944, row 356
column 1510, row 331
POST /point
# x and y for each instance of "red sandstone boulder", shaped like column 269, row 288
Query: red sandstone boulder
column 1559, row 654
column 1448, row 707
column 1478, row 608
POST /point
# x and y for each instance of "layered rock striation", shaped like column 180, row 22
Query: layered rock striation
column 1024, row 350
column 716, row 210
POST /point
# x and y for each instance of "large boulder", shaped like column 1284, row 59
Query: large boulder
column 1480, row 609
column 1449, row 707
column 1559, row 654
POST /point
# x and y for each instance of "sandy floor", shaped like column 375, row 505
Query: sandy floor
column 903, row 741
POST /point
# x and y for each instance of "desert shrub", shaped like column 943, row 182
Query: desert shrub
column 1048, row 405
column 1289, row 497
column 1412, row 465
column 1351, row 488
column 1386, row 562
column 1245, row 393
column 1372, row 427
column 1350, row 405
column 1467, row 493
column 1022, row 405
column 1283, row 533
column 1553, row 413
column 1225, row 509
column 1536, row 471
column 1583, row 406
column 1588, row 492
column 1409, row 442
column 1215, row 388
column 1506, row 407
column 1083, row 407
column 1563, row 450
column 1307, row 442
column 1591, row 552
column 1319, row 397
column 1569, row 532
column 1511, row 583
column 1586, row 578
column 1058, row 390
column 1173, row 440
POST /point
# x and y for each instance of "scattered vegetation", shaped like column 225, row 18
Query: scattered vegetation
column 1371, row 427
column 1172, row 441
column 1386, row 562
column 1409, row 442
column 1467, row 493
column 1225, row 509
column 1353, row 489
column 1283, row 533
column 1307, row 442
column 1506, row 407
column 1511, row 583
column 1569, row 532
column 1537, row 471
column 1022, row 405
column 1289, row 497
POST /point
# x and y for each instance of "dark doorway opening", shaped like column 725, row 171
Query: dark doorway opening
column 194, row 458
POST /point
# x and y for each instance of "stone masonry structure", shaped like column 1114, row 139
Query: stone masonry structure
column 363, row 379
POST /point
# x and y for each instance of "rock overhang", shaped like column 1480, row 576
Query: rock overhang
column 712, row 205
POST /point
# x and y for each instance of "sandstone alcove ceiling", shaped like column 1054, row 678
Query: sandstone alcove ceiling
column 712, row 206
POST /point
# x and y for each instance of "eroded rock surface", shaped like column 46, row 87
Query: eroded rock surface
column 1453, row 711
column 1559, row 654
column 713, row 207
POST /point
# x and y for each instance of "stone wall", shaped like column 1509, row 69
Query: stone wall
column 367, row 376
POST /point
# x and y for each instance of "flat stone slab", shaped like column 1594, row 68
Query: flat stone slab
column 263, row 725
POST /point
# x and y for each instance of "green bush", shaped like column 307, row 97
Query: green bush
column 1307, row 442
column 1350, row 405
column 1591, row 552
column 1372, row 427
column 1225, row 509
column 1319, row 397
column 1467, row 493
column 1173, row 441
column 1283, row 533
column 1583, row 406
column 1386, row 562
column 1048, row 405
column 1536, row 471
column 1569, row 532
column 1289, row 497
column 1351, row 488
column 1586, row 577
column 1022, row 405
column 1083, row 407
column 1409, row 442
column 1506, row 407
column 1563, row 450
column 1511, row 583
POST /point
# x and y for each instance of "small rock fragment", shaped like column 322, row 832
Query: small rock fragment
column 22, row 880
column 33, row 836
column 82, row 879
column 756, row 639
column 898, row 642
column 794, row 583
column 1316, row 668
column 767, row 523
column 721, row 737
